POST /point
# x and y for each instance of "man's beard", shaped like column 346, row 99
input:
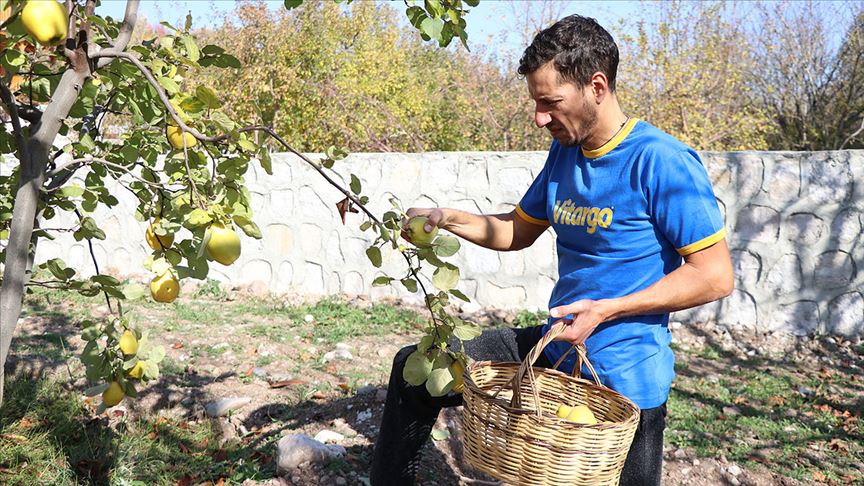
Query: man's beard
column 587, row 127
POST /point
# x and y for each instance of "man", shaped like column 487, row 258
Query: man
column 627, row 203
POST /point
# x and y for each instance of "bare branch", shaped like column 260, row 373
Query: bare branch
column 69, row 45
column 853, row 135
column 90, row 160
column 126, row 29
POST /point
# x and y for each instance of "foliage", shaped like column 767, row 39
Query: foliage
column 814, row 92
column 181, row 194
column 191, row 198
column 351, row 76
column 687, row 71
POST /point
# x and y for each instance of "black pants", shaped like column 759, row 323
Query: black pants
column 410, row 412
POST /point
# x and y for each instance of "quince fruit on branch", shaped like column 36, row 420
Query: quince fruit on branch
column 158, row 242
column 165, row 288
column 223, row 245
column 128, row 343
column 46, row 21
column 176, row 136
column 416, row 232
column 113, row 394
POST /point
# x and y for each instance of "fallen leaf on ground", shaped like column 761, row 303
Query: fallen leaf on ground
column 282, row 384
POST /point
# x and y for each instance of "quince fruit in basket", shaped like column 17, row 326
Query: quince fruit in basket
column 579, row 414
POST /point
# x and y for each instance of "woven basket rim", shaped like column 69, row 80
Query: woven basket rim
column 469, row 384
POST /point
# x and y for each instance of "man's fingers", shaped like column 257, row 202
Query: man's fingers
column 563, row 310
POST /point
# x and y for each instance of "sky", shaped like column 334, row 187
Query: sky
column 491, row 20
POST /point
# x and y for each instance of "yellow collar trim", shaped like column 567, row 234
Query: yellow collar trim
column 611, row 144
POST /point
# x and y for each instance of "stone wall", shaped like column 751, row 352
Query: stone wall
column 795, row 223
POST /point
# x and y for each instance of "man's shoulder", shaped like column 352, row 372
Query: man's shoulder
column 654, row 143
column 652, row 137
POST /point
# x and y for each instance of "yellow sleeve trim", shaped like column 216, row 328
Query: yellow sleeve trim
column 703, row 243
column 611, row 144
column 523, row 215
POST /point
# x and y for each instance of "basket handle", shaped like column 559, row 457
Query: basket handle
column 526, row 367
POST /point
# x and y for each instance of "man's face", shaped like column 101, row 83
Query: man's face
column 562, row 108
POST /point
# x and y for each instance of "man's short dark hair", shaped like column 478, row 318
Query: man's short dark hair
column 579, row 47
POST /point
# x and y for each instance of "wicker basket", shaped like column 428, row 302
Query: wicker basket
column 512, row 433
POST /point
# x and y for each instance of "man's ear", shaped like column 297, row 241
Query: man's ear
column 599, row 87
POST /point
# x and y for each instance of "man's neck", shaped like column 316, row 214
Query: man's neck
column 610, row 121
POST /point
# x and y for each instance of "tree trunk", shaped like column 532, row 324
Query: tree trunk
column 31, row 179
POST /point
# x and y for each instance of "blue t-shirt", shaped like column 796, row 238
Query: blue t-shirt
column 624, row 215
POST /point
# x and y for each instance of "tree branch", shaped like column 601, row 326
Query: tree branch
column 89, row 160
column 130, row 17
column 853, row 135
column 12, row 106
column 113, row 53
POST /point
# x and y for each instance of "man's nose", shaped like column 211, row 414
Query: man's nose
column 541, row 119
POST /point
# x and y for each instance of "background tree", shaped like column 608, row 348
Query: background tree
column 815, row 91
column 687, row 69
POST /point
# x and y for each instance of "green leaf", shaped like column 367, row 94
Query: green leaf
column 355, row 184
column 134, row 291
column 366, row 225
column 374, row 254
column 90, row 355
column 157, row 354
column 87, row 143
column 381, row 281
column 445, row 278
column 173, row 257
column 416, row 15
column 212, row 50
column 266, row 161
column 439, row 382
column 160, row 266
column 467, row 331
column 248, row 226
column 91, row 332
column 459, row 295
column 96, row 390
column 425, row 343
column 445, row 246
column 72, row 191
column 208, row 97
column 224, row 122
column 166, row 24
column 434, row 8
column 247, row 146
column 336, row 153
column 105, row 280
column 440, row 434
column 417, row 368
column 88, row 230
column 191, row 48
column 151, row 371
column 171, row 86
column 227, row 60
column 432, row 28
column 198, row 217
column 292, row 4
column 410, row 284
column 14, row 57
